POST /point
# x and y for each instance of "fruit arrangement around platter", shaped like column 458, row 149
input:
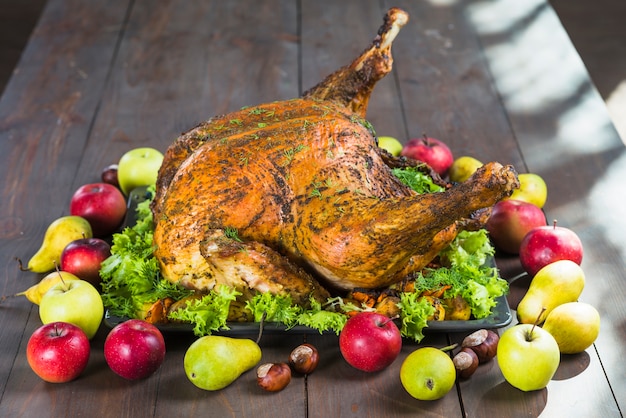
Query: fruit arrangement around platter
column 550, row 316
column 85, row 274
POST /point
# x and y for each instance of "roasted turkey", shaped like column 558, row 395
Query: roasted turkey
column 296, row 197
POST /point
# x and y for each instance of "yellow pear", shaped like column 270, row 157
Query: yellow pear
column 574, row 326
column 60, row 233
column 555, row 284
column 36, row 291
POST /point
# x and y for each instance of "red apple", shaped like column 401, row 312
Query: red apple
column 83, row 257
column 544, row 245
column 510, row 221
column 134, row 349
column 431, row 151
column 102, row 204
column 370, row 341
column 109, row 175
column 58, row 352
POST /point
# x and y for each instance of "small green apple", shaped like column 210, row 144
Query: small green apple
column 75, row 301
column 532, row 189
column 463, row 167
column 390, row 144
column 528, row 356
column 427, row 374
column 574, row 326
column 138, row 167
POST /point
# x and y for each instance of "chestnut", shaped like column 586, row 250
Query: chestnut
column 465, row 362
column 273, row 377
column 484, row 343
column 109, row 175
column 304, row 358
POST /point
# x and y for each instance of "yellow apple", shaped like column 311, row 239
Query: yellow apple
column 390, row 144
column 463, row 167
column 75, row 301
column 533, row 189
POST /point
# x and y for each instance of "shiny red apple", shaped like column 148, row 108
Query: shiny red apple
column 510, row 221
column 102, row 204
column 432, row 151
column 134, row 349
column 370, row 341
column 546, row 244
column 83, row 257
column 58, row 352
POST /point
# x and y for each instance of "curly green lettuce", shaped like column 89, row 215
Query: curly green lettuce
column 208, row 314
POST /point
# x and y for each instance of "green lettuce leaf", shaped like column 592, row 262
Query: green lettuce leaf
column 209, row 313
column 415, row 311
column 318, row 318
column 276, row 308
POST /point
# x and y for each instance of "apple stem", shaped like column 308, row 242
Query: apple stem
column 388, row 320
column 449, row 347
column 528, row 336
column 56, row 267
column 554, row 223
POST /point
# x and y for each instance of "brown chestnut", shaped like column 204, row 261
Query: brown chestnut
column 484, row 343
column 465, row 362
column 304, row 358
column 109, row 175
column 273, row 377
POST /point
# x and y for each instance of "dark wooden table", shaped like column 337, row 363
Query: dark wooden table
column 498, row 80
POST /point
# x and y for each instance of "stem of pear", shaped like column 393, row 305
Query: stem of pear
column 449, row 347
column 20, row 265
column 261, row 324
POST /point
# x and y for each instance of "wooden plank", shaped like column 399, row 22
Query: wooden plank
column 179, row 65
column 45, row 115
column 553, row 106
column 446, row 88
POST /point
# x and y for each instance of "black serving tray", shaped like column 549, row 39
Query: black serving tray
column 500, row 316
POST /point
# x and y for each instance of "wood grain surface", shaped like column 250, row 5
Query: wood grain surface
column 496, row 80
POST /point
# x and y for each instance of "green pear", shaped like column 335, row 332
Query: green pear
column 60, row 233
column 574, row 326
column 555, row 284
column 213, row 362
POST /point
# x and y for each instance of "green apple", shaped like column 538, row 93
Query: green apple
column 532, row 189
column 463, row 167
column 75, row 301
column 574, row 326
column 138, row 167
column 427, row 374
column 528, row 356
column 390, row 144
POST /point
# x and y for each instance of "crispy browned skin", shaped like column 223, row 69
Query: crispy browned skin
column 309, row 193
